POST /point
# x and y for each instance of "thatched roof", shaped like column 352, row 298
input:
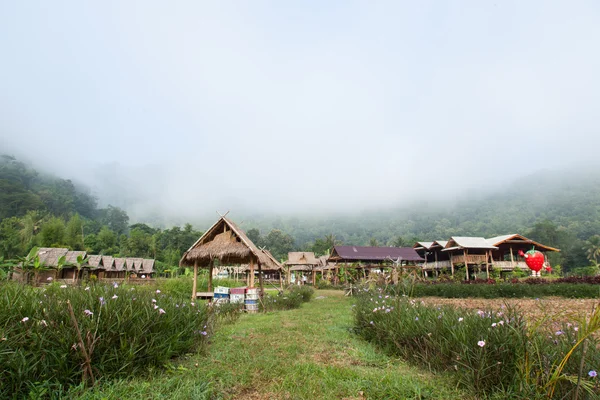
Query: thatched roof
column 71, row 256
column 49, row 255
column 95, row 261
column 134, row 264
column 108, row 262
column 148, row 266
column 119, row 264
column 302, row 258
column 273, row 265
column 225, row 242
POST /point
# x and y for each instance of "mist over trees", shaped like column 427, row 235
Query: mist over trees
column 563, row 211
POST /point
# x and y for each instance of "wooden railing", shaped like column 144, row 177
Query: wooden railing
column 509, row 265
column 436, row 264
column 471, row 259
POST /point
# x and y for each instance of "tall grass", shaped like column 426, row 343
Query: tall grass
column 490, row 352
column 116, row 331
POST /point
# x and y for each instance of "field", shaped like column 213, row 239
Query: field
column 306, row 353
column 555, row 309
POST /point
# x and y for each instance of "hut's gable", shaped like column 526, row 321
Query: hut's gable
column 119, row 264
column 148, row 266
column 302, row 258
column 95, row 261
column 108, row 262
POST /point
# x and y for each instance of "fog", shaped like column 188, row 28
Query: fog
column 180, row 109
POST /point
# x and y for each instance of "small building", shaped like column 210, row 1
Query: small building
column 304, row 261
column 227, row 243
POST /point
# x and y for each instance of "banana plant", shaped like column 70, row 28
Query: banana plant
column 81, row 261
column 26, row 263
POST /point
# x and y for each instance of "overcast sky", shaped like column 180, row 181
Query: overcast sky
column 298, row 106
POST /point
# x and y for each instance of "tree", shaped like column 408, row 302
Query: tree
column 106, row 241
column 10, row 242
column 592, row 247
column 53, row 233
column 74, row 233
column 373, row 242
column 399, row 242
column 279, row 243
column 254, row 235
column 115, row 218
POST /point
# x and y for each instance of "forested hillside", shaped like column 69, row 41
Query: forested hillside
column 560, row 209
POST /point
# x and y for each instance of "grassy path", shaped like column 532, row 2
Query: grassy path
column 308, row 353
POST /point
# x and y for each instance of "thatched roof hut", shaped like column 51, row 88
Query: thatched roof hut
column 226, row 242
column 301, row 261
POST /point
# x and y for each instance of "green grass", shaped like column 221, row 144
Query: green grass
column 306, row 353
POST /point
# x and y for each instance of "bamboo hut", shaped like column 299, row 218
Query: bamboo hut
column 304, row 261
column 228, row 244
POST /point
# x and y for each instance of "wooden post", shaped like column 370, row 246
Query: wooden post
column 314, row 276
column 466, row 263
column 195, row 284
column 452, row 264
column 280, row 280
column 487, row 264
column 251, row 280
column 260, row 280
column 512, row 258
column 210, row 271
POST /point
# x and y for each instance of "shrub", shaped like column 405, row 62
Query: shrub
column 488, row 351
column 125, row 330
column 287, row 300
column 306, row 292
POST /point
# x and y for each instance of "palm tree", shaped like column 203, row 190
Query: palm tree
column 592, row 247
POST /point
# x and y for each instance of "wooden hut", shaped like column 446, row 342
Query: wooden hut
column 470, row 252
column 120, row 270
column 226, row 242
column 304, row 261
column 506, row 257
column 435, row 259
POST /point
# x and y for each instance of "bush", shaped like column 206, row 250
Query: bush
column 488, row 351
column 282, row 301
column 306, row 292
column 125, row 330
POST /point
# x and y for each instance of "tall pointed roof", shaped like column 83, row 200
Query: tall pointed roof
column 226, row 242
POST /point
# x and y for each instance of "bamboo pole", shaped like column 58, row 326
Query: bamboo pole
column 260, row 280
column 466, row 263
column 195, row 284
column 251, row 281
column 452, row 264
column 210, row 279
column 487, row 264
